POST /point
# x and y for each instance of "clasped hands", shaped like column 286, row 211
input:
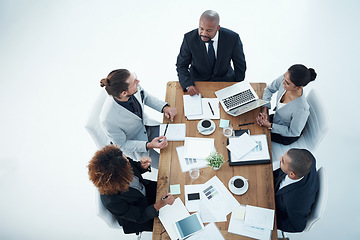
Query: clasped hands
column 263, row 118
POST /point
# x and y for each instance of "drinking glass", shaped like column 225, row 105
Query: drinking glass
column 194, row 173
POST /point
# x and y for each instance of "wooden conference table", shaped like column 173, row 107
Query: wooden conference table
column 260, row 178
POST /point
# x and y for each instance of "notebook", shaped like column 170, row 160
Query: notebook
column 239, row 98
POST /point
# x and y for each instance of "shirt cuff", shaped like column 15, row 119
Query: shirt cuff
column 166, row 105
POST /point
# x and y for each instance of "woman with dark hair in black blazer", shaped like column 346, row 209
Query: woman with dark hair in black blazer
column 129, row 197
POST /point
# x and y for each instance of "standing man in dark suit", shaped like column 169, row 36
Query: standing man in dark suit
column 296, row 184
column 206, row 52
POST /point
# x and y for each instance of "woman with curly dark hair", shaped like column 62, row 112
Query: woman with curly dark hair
column 123, row 191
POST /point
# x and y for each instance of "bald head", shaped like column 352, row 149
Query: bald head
column 210, row 16
column 208, row 25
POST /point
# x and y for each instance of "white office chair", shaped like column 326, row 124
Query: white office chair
column 320, row 200
column 315, row 129
column 105, row 214
column 93, row 123
column 93, row 127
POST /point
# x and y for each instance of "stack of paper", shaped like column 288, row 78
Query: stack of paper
column 257, row 224
column 209, row 232
column 258, row 154
column 240, row 146
column 210, row 109
column 170, row 214
column 217, row 199
column 199, row 148
column 192, row 105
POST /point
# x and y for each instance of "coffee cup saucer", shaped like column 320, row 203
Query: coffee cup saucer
column 206, row 131
column 235, row 190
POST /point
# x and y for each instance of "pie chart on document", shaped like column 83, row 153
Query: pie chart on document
column 206, row 126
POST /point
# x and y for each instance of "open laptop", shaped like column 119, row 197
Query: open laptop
column 239, row 98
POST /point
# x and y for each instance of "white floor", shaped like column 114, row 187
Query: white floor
column 54, row 53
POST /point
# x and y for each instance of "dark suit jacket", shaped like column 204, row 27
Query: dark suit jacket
column 132, row 209
column 294, row 202
column 193, row 52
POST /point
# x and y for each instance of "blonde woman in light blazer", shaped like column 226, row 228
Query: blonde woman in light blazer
column 292, row 109
column 123, row 118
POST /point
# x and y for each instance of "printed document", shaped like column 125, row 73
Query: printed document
column 240, row 146
column 199, row 148
column 260, row 152
column 217, row 198
column 189, row 163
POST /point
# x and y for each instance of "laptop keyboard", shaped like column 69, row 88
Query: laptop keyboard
column 238, row 99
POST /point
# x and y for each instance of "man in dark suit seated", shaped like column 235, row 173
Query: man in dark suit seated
column 296, row 184
column 208, row 51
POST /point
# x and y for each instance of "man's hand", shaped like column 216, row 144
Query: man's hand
column 155, row 143
column 170, row 112
column 192, row 90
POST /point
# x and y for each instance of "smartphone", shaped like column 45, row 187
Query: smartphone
column 193, row 196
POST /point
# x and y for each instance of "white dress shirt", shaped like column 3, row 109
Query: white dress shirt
column 287, row 181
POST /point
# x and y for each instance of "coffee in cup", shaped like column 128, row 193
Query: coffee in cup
column 206, row 124
column 238, row 183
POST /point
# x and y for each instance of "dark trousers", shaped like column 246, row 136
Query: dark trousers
column 281, row 139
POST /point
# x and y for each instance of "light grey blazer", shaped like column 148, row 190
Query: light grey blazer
column 289, row 120
column 125, row 128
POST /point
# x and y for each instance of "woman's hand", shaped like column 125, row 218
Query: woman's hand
column 165, row 199
column 145, row 162
column 263, row 120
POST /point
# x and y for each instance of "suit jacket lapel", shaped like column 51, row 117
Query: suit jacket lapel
column 293, row 186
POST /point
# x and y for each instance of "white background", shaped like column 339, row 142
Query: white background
column 54, row 53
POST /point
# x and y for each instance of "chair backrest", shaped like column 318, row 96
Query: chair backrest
column 316, row 126
column 315, row 129
column 93, row 123
column 93, row 127
column 320, row 201
column 105, row 214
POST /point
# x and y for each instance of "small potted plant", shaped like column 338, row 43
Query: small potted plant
column 215, row 160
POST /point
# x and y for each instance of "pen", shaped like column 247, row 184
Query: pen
column 245, row 124
column 211, row 108
column 167, row 124
column 164, row 197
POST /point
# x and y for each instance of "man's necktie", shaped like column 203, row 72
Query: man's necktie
column 211, row 54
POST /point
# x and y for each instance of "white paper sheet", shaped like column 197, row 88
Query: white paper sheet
column 237, row 226
column 192, row 205
column 206, row 111
column 240, row 146
column 187, row 164
column 175, row 132
column 209, row 232
column 199, row 148
column 192, row 105
column 260, row 152
column 259, row 217
column 170, row 214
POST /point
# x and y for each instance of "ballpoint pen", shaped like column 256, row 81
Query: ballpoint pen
column 240, row 125
column 164, row 197
column 211, row 108
column 167, row 124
